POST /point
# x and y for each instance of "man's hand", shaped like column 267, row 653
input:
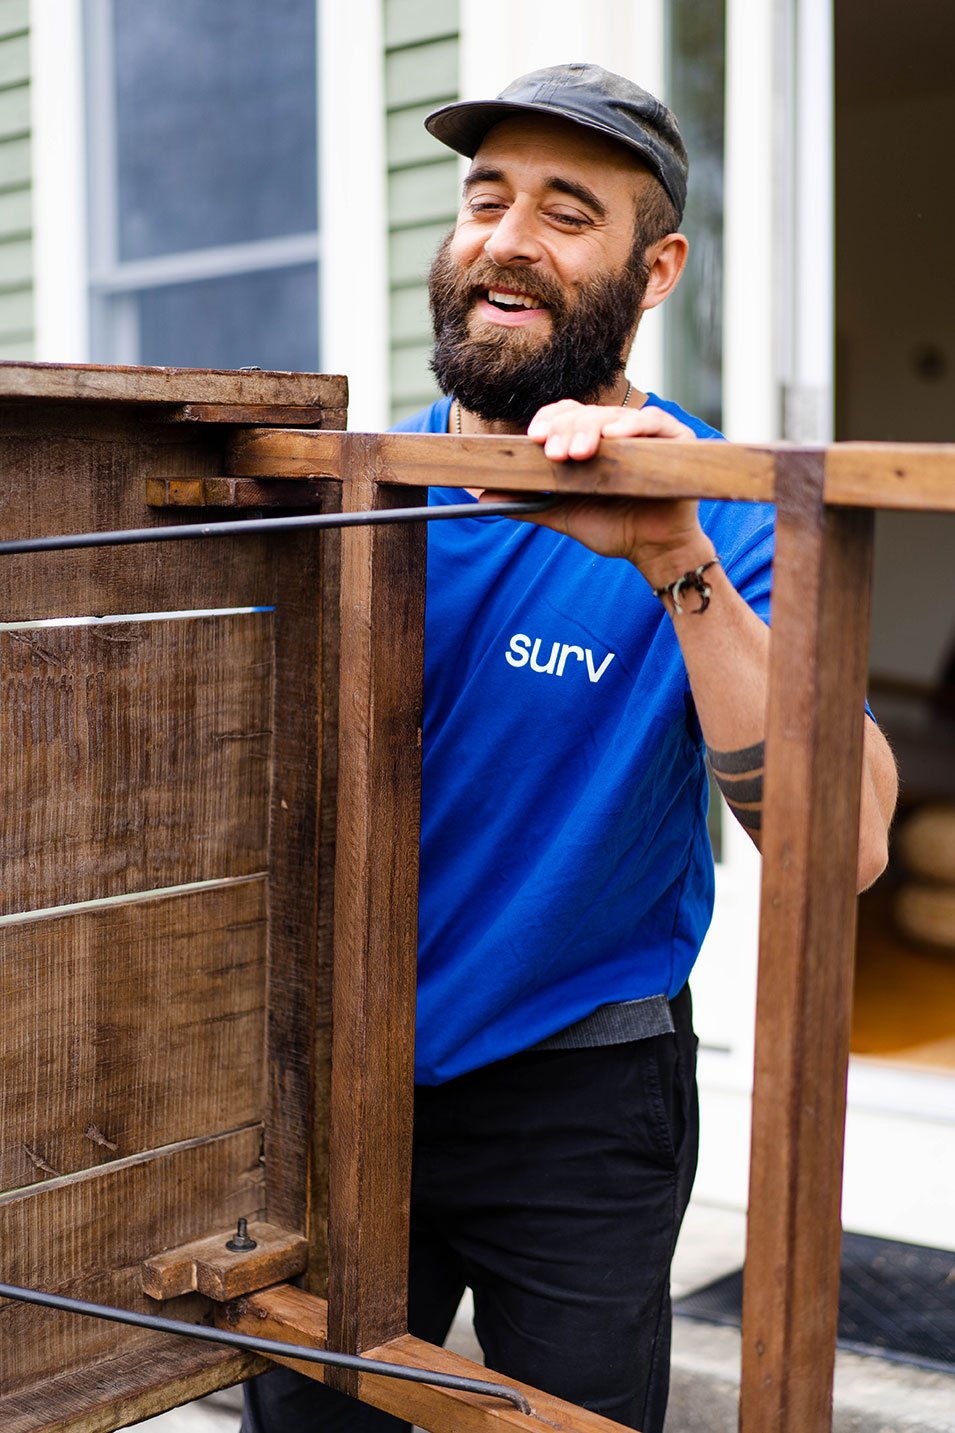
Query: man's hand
column 662, row 538
column 574, row 430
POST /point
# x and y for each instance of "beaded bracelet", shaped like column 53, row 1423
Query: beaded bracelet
column 690, row 581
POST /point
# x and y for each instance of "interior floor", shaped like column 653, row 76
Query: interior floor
column 904, row 1002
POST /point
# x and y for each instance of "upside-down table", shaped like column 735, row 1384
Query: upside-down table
column 210, row 780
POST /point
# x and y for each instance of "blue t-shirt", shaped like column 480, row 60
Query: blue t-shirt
column 565, row 862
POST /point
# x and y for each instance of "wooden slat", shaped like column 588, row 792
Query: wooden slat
column 302, row 864
column 376, row 878
column 115, row 1392
column 86, row 1236
column 443, row 1410
column 210, row 1266
column 879, row 475
column 807, row 928
column 645, row 467
column 274, row 414
column 77, row 468
column 94, row 382
column 916, row 476
column 235, row 492
column 157, row 732
column 130, row 1027
column 286, row 1313
column 280, row 453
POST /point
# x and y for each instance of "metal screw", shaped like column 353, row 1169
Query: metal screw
column 240, row 1240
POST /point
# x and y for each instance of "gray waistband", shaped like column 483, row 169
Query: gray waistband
column 614, row 1024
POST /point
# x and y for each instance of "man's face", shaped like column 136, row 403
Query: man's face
column 534, row 296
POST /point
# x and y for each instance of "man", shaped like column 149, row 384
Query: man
column 566, row 878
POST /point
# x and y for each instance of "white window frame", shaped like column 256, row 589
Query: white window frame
column 113, row 283
column 353, row 205
column 73, row 276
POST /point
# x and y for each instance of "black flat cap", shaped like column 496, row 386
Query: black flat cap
column 587, row 95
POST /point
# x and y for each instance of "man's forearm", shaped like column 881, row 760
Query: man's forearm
column 726, row 651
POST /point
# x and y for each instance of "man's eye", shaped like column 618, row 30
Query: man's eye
column 485, row 206
column 571, row 221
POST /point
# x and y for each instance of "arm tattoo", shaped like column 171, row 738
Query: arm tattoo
column 739, row 775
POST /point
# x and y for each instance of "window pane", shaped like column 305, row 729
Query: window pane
column 267, row 319
column 695, row 310
column 215, row 118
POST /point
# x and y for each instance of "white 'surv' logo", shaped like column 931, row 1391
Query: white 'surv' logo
column 526, row 649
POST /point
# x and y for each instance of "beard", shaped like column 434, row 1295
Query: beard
column 507, row 374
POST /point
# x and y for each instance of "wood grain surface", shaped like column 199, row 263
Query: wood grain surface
column 115, row 1392
column 139, row 756
column 807, row 933
column 85, row 1236
column 301, row 885
column 236, row 492
column 286, row 1313
column 878, row 475
column 64, row 471
column 274, row 415
column 92, row 382
column 279, row 453
column 209, row 1266
column 158, row 733
column 915, row 476
column 643, row 466
column 376, row 885
column 130, row 1027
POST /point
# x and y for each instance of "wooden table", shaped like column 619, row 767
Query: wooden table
column 260, row 814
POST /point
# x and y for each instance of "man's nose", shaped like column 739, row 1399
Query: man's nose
column 514, row 239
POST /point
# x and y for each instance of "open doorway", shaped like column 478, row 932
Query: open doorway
column 895, row 379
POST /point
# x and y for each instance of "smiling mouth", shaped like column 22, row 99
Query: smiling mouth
column 510, row 302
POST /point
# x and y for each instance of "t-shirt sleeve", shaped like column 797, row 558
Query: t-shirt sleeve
column 744, row 537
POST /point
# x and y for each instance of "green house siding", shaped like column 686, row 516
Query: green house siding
column 16, row 239
column 421, row 73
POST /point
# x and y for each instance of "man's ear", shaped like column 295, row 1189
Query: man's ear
column 665, row 260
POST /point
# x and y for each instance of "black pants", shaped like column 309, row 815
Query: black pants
column 553, row 1184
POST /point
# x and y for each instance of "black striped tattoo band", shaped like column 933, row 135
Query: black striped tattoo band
column 739, row 775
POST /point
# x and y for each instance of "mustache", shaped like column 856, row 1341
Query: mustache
column 485, row 274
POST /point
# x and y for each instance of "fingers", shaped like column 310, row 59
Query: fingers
column 574, row 430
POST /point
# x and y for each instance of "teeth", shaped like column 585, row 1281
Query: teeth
column 525, row 300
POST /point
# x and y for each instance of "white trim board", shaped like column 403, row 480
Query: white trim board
column 353, row 215
column 61, row 315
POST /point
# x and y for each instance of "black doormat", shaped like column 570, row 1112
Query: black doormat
column 895, row 1300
